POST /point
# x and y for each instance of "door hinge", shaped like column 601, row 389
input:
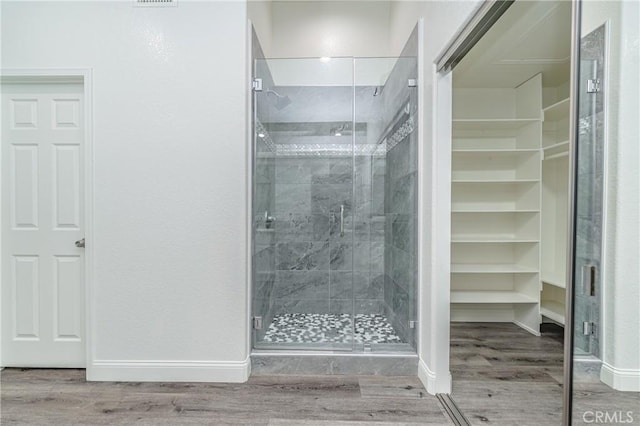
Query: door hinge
column 256, row 84
column 257, row 323
column 412, row 324
column 593, row 85
column 412, row 82
column 588, row 328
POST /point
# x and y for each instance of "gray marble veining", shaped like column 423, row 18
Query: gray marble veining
column 328, row 198
column 303, row 227
column 341, row 257
column 264, row 258
column 302, row 285
column 293, row 199
column 300, row 170
column 403, row 194
column 303, row 256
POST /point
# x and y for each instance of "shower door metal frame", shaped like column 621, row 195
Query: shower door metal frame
column 574, row 103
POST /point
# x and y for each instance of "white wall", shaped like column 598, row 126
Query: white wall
column 259, row 12
column 302, row 29
column 170, row 211
column 442, row 19
column 621, row 307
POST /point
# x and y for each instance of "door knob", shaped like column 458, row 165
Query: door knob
column 80, row 243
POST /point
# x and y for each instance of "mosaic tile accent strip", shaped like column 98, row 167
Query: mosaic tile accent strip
column 330, row 328
column 318, row 150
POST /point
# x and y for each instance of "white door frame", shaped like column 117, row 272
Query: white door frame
column 73, row 75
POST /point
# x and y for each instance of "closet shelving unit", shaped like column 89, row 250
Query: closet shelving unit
column 555, row 190
column 496, row 205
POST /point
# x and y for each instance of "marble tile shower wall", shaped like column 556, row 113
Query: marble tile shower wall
column 315, row 265
column 400, row 242
column 400, row 199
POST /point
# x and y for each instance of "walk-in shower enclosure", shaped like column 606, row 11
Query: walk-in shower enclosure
column 334, row 204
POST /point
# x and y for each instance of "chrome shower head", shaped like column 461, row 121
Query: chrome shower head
column 281, row 101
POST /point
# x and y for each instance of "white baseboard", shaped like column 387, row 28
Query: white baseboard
column 433, row 384
column 620, row 379
column 481, row 313
column 169, row 371
column 526, row 327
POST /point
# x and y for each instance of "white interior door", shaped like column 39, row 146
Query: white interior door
column 42, row 217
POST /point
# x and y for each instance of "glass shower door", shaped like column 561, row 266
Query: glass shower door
column 303, row 200
column 385, row 212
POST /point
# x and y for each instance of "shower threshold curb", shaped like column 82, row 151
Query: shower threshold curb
column 268, row 352
column 323, row 363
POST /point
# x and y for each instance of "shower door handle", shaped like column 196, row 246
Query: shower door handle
column 342, row 220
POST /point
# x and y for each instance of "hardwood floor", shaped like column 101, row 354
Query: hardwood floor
column 504, row 375
column 63, row 397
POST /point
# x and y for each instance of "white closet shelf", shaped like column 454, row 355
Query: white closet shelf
column 491, row 268
column 490, row 239
column 556, row 111
column 495, row 180
column 553, row 280
column 511, row 212
column 492, row 124
column 554, row 156
column 489, row 296
column 563, row 144
column 494, row 150
column 456, row 210
column 552, row 310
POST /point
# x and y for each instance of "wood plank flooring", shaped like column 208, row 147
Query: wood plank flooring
column 504, row 375
column 63, row 397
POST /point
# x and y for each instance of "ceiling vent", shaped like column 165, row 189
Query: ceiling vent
column 155, row 3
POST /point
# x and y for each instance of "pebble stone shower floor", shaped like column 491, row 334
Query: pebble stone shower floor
column 333, row 328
